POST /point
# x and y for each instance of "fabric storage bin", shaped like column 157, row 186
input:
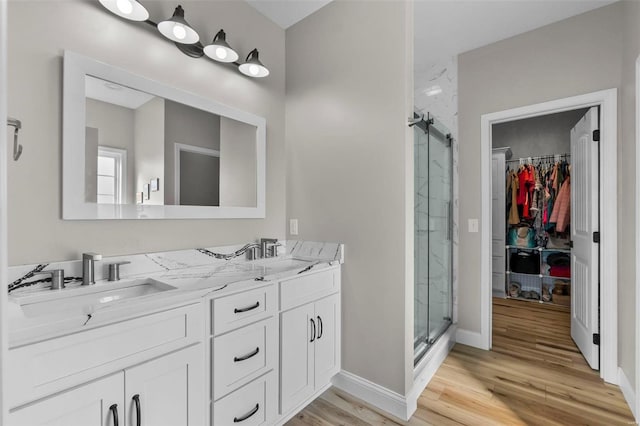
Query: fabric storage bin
column 525, row 262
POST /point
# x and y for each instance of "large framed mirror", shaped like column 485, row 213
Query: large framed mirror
column 134, row 148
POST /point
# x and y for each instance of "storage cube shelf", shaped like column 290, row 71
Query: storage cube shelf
column 525, row 284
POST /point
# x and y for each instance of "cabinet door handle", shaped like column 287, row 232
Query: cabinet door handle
column 313, row 333
column 247, row 356
column 114, row 412
column 136, row 401
column 248, row 308
column 246, row 416
column 319, row 327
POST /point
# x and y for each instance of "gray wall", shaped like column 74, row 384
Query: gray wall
column 91, row 165
column 115, row 126
column 189, row 126
column 37, row 232
column 149, row 161
column 626, row 189
column 552, row 62
column 237, row 164
column 199, row 179
column 531, row 137
column 348, row 157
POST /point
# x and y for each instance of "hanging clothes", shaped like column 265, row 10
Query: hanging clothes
column 561, row 214
column 514, row 217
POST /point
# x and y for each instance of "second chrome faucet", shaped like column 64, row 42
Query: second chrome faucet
column 88, row 267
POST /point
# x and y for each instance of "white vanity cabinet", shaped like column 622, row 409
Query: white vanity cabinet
column 244, row 357
column 148, row 370
column 309, row 336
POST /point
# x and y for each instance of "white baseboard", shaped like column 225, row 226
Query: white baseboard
column 372, row 393
column 470, row 338
column 392, row 402
column 628, row 392
column 427, row 367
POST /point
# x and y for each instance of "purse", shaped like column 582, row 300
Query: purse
column 525, row 262
column 522, row 236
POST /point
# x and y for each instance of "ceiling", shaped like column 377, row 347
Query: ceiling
column 285, row 13
column 116, row 94
column 448, row 28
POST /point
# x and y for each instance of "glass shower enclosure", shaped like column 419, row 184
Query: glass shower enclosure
column 433, row 230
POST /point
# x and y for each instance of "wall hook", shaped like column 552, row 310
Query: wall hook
column 17, row 148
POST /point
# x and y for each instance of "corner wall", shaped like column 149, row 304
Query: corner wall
column 348, row 147
column 39, row 32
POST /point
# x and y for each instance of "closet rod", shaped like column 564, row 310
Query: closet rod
column 542, row 157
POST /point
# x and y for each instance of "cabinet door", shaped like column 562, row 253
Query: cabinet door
column 86, row 405
column 297, row 330
column 170, row 390
column 327, row 344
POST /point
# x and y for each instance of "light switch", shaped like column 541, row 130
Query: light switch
column 293, row 226
column 473, row 225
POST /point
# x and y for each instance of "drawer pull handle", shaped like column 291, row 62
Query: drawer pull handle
column 313, row 333
column 247, row 356
column 248, row 308
column 320, row 327
column 136, row 400
column 114, row 413
column 246, row 416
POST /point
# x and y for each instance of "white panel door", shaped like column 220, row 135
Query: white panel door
column 499, row 221
column 87, row 405
column 584, row 222
column 298, row 330
column 327, row 344
column 168, row 391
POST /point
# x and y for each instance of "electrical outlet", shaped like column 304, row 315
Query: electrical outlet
column 293, row 226
column 473, row 225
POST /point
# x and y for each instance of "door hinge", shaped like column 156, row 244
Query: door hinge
column 596, row 237
column 596, row 339
column 596, row 135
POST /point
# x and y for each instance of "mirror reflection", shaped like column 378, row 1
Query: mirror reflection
column 143, row 149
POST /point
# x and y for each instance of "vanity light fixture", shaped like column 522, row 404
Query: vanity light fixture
column 187, row 39
column 177, row 29
column 253, row 67
column 128, row 9
column 219, row 49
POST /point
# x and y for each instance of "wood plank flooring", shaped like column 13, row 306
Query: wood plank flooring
column 534, row 375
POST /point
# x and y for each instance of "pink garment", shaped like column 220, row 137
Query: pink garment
column 561, row 214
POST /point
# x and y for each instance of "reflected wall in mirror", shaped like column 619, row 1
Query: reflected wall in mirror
column 205, row 160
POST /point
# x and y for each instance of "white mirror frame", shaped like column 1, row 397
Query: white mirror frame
column 74, row 206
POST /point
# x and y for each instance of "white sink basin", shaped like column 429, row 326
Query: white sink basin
column 86, row 300
column 276, row 266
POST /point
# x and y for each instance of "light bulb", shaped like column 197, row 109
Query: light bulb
column 124, row 6
column 253, row 69
column 221, row 52
column 179, row 32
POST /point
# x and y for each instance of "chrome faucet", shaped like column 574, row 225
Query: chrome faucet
column 88, row 267
column 269, row 247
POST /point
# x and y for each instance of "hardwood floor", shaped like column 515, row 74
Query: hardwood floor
column 534, row 375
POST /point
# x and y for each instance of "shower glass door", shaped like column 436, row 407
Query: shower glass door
column 433, row 230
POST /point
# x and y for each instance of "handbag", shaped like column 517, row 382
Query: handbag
column 525, row 262
column 522, row 236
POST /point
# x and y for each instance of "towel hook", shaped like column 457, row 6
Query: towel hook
column 17, row 148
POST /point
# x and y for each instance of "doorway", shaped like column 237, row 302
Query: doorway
column 607, row 204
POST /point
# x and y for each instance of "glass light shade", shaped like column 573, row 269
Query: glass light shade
column 177, row 29
column 219, row 49
column 253, row 67
column 128, row 9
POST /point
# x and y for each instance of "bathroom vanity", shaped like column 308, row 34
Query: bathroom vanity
column 203, row 342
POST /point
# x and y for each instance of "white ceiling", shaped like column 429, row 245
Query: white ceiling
column 285, row 13
column 448, row 28
column 113, row 93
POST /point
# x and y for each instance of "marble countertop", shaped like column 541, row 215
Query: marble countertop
column 191, row 278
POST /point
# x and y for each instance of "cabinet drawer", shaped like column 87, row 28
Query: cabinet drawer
column 243, row 355
column 234, row 311
column 252, row 405
column 44, row 368
column 309, row 287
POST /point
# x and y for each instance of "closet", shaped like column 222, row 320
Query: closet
column 532, row 209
